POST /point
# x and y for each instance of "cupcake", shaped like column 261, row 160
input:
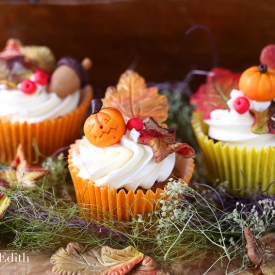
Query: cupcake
column 234, row 125
column 120, row 166
column 42, row 104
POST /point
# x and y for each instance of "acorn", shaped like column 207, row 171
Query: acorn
column 69, row 76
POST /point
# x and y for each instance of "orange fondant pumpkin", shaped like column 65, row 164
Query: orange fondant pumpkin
column 104, row 127
column 258, row 83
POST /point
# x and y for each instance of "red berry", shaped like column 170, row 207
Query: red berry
column 41, row 77
column 241, row 105
column 268, row 56
column 136, row 123
column 28, row 87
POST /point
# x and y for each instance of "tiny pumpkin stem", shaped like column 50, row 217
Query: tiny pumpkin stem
column 96, row 105
column 262, row 68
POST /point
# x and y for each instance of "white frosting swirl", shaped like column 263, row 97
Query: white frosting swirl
column 234, row 129
column 39, row 106
column 127, row 164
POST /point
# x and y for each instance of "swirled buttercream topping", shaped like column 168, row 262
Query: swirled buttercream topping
column 126, row 164
column 234, row 129
column 33, row 108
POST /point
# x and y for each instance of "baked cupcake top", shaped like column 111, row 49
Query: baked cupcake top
column 33, row 87
column 239, row 107
column 124, row 145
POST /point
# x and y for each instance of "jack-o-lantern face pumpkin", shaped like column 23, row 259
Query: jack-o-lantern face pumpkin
column 258, row 83
column 104, row 127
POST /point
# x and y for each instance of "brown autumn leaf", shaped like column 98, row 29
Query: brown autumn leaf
column 255, row 249
column 20, row 173
column 102, row 261
column 134, row 99
column 162, row 141
column 261, row 252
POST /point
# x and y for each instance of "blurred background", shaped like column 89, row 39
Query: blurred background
column 157, row 38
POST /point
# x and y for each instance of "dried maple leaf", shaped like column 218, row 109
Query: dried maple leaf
column 255, row 249
column 264, row 122
column 162, row 141
column 134, row 99
column 215, row 93
column 20, row 173
column 101, row 261
column 261, row 252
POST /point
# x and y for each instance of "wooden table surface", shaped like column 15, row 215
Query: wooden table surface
column 39, row 264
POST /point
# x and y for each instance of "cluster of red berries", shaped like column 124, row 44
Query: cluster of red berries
column 29, row 87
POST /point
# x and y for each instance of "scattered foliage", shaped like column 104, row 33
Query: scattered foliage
column 190, row 223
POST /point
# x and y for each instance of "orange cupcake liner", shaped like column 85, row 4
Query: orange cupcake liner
column 101, row 202
column 49, row 135
column 243, row 169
